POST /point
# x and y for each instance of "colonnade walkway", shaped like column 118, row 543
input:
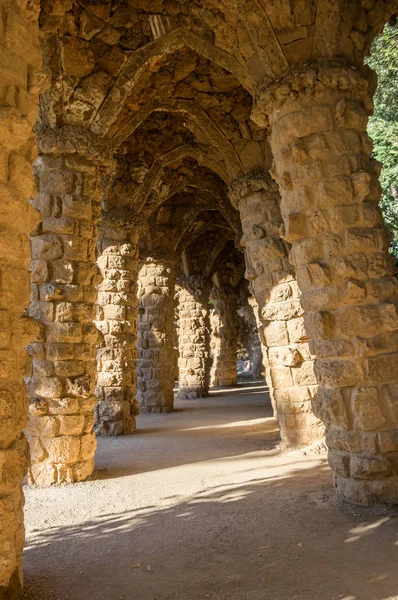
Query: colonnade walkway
column 203, row 503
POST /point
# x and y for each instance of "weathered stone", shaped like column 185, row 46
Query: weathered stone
column 282, row 328
column 21, row 82
column 193, row 341
column 155, row 327
column 366, row 409
column 329, row 406
column 179, row 130
column 69, row 334
column 223, row 342
column 349, row 321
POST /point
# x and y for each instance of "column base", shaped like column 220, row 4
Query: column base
column 157, row 409
column 226, row 382
column 299, row 429
column 367, row 492
column 115, row 428
column 192, row 393
column 12, row 591
column 47, row 473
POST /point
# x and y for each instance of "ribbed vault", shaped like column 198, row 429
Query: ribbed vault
column 125, row 49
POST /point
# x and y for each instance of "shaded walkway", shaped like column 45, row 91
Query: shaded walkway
column 210, row 428
column 200, row 504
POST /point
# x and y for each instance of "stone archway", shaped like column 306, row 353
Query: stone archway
column 302, row 65
column 140, row 87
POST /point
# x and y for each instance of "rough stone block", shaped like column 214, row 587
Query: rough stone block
column 71, row 424
column 64, row 449
column 363, row 467
column 383, row 368
column 328, row 405
column 338, row 372
column 366, row 409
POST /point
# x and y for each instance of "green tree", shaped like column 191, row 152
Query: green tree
column 383, row 126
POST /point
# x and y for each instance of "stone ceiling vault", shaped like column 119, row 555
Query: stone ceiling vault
column 170, row 85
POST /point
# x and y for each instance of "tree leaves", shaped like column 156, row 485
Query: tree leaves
column 383, row 126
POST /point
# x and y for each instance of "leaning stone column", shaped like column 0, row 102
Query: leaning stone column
column 116, row 320
column 21, row 79
column 224, row 336
column 330, row 192
column 289, row 364
column 193, row 315
column 155, row 364
column 64, row 275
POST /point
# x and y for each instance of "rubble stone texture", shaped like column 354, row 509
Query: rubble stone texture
column 61, row 386
column 224, row 336
column 289, row 371
column 155, row 364
column 249, row 338
column 260, row 351
column 193, row 324
column 116, row 321
column 21, row 81
column 330, row 192
column 156, row 110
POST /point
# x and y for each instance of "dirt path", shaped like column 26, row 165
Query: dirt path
column 201, row 504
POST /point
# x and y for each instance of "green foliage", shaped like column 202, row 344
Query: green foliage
column 383, row 126
column 385, row 139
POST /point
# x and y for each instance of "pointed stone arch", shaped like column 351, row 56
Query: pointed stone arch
column 146, row 57
column 154, row 175
column 198, row 115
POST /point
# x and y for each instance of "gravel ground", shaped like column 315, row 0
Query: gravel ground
column 203, row 503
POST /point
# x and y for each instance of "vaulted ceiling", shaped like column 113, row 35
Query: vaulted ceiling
column 169, row 84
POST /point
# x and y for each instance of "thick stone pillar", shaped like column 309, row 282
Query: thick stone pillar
column 289, row 364
column 64, row 276
column 224, row 336
column 193, row 323
column 20, row 85
column 116, row 320
column 330, row 192
column 155, row 364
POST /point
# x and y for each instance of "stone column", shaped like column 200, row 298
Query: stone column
column 193, row 323
column 289, row 364
column 64, row 276
column 330, row 192
column 175, row 338
column 21, row 80
column 155, row 364
column 116, row 320
column 224, row 336
column 259, row 350
column 248, row 311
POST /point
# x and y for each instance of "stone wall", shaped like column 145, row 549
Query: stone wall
column 116, row 320
column 193, row 324
column 156, row 285
column 289, row 363
column 318, row 115
column 20, row 83
column 224, row 336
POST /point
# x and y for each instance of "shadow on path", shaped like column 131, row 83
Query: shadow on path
column 277, row 538
column 227, row 423
column 201, row 504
